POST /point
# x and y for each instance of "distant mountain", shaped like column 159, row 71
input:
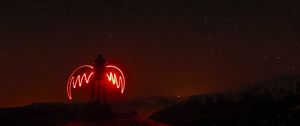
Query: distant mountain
column 73, row 114
column 271, row 102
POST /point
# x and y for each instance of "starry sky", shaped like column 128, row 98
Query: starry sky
column 167, row 48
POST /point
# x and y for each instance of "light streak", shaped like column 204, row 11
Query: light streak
column 119, row 82
column 112, row 77
column 78, row 79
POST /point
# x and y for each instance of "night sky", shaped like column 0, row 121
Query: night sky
column 167, row 48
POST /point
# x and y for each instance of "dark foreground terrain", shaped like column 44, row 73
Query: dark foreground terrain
column 273, row 102
column 74, row 114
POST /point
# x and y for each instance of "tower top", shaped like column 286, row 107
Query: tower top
column 99, row 61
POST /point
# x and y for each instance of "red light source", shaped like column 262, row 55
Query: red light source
column 119, row 81
column 113, row 74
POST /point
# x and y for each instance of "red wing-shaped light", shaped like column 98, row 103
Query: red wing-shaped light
column 83, row 75
column 80, row 78
column 115, row 76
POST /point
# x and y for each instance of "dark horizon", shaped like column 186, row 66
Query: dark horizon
column 169, row 48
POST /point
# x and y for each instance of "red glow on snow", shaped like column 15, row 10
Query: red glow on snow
column 114, row 76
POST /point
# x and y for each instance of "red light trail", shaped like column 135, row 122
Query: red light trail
column 112, row 77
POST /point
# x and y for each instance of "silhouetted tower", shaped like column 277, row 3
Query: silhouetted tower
column 99, row 67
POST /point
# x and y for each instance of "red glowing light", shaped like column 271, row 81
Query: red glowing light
column 78, row 80
column 112, row 77
column 118, row 81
